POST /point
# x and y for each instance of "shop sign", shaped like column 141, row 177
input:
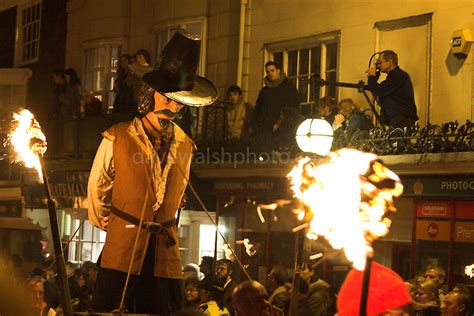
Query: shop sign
column 432, row 230
column 436, row 209
column 464, row 232
column 257, row 186
column 464, row 209
column 439, row 186
column 67, row 188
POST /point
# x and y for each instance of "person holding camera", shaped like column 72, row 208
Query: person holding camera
column 395, row 94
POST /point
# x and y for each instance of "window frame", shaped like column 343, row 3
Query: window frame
column 300, row 44
column 75, row 254
column 20, row 33
column 107, row 45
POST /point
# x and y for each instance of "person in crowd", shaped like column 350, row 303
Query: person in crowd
column 35, row 287
column 191, row 292
column 350, row 119
column 224, row 271
column 413, row 282
column 91, row 106
column 277, row 93
column 73, row 93
column 51, row 290
column 437, row 275
column 304, row 301
column 206, row 266
column 90, row 270
column 284, row 130
column 250, row 298
column 191, row 270
column 211, row 292
column 59, row 91
column 188, row 312
column 457, row 303
column 327, row 109
column 395, row 94
column 78, row 291
column 238, row 114
column 425, row 301
column 143, row 57
column 319, row 297
column 133, row 81
column 388, row 294
column 128, row 186
column 124, row 101
column 275, row 285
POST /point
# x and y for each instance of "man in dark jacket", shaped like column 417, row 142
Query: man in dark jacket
column 277, row 94
column 395, row 94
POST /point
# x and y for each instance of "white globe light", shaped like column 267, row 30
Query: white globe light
column 315, row 136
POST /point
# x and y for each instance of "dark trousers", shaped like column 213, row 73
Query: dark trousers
column 401, row 121
column 146, row 294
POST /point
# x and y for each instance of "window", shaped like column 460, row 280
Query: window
column 101, row 64
column 305, row 59
column 88, row 242
column 28, row 26
column 196, row 26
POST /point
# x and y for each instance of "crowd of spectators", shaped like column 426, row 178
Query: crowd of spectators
column 215, row 288
column 72, row 101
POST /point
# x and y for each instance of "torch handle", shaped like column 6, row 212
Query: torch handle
column 365, row 287
column 58, row 250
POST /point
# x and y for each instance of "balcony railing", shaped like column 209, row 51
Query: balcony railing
column 80, row 138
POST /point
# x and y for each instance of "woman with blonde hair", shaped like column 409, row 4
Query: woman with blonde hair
column 425, row 301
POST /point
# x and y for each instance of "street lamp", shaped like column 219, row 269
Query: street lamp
column 315, row 136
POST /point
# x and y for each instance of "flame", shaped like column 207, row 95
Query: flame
column 249, row 248
column 470, row 271
column 228, row 252
column 28, row 140
column 347, row 197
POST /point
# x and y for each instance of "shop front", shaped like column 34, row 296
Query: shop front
column 443, row 233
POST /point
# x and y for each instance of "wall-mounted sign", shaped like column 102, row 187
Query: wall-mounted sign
column 272, row 186
column 434, row 209
column 464, row 232
column 67, row 187
column 439, row 186
column 432, row 230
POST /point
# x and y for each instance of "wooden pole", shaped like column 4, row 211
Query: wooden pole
column 58, row 250
column 365, row 287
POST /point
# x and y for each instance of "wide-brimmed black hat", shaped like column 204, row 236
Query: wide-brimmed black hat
column 212, row 283
column 175, row 75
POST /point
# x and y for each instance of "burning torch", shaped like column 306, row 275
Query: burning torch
column 348, row 197
column 29, row 144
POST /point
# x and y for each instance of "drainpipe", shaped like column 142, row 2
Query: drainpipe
column 240, row 60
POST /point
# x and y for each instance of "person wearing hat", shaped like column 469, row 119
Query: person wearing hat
column 137, row 182
column 388, row 294
column 211, row 291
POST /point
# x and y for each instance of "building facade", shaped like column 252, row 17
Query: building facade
column 324, row 39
